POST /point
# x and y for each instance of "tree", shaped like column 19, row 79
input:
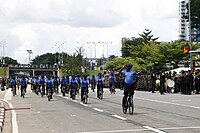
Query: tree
column 147, row 37
column 47, row 58
column 9, row 61
column 130, row 44
column 153, row 57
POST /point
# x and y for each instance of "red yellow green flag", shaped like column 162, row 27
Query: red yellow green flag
column 186, row 49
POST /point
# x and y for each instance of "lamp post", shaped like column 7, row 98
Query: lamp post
column 29, row 55
column 190, row 34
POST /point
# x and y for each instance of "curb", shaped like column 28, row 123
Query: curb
column 2, row 118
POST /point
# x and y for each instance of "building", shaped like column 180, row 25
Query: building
column 184, row 24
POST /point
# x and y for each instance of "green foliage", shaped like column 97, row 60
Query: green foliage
column 71, row 63
column 47, row 58
column 9, row 60
column 2, row 71
column 153, row 56
column 147, row 37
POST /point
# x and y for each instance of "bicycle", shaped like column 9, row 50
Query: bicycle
column 49, row 96
column 63, row 90
column 92, row 86
column 85, row 96
column 42, row 90
column 112, row 89
column 128, row 105
column 56, row 88
column 73, row 94
column 14, row 90
column 23, row 91
column 100, row 93
column 37, row 90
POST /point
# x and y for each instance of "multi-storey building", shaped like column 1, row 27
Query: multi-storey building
column 184, row 24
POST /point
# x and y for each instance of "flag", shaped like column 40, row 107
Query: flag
column 186, row 49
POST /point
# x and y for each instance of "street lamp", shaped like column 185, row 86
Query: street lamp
column 29, row 55
column 190, row 34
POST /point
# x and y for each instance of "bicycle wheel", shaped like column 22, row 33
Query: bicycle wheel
column 124, row 109
column 85, row 99
column 130, row 106
column 23, row 93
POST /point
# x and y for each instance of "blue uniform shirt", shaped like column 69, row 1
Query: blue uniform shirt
column 129, row 76
column 23, row 82
column 99, row 80
column 84, row 82
column 112, row 78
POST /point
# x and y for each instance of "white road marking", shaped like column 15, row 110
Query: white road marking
column 177, row 128
column 98, row 109
column 74, row 100
column 119, row 117
column 153, row 129
column 182, row 100
column 116, row 131
column 8, row 95
column 66, row 97
column 84, row 104
column 14, row 119
column 177, row 104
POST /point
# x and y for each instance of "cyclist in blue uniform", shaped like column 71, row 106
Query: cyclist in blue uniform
column 23, row 84
column 99, row 81
column 49, row 86
column 13, row 85
column 93, row 82
column 63, row 83
column 73, row 86
column 55, row 84
column 42, row 84
column 84, row 86
column 112, row 80
column 130, row 79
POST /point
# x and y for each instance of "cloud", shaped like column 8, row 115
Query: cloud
column 40, row 24
column 73, row 13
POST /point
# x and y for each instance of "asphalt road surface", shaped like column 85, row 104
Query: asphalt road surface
column 154, row 113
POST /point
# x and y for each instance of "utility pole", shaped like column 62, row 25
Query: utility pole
column 29, row 55
column 190, row 34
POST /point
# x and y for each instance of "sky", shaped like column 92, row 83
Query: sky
column 49, row 26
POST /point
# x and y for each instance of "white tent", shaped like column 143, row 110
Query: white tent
column 178, row 70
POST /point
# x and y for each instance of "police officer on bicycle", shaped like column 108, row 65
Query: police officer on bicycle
column 130, row 79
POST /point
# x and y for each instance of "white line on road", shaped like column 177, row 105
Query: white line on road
column 98, row 109
column 116, row 131
column 177, row 128
column 182, row 100
column 177, row 104
column 66, row 97
column 137, row 130
column 14, row 119
column 84, row 104
column 153, row 129
column 8, row 95
column 73, row 100
column 119, row 117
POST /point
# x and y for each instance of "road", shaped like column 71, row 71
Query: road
column 154, row 113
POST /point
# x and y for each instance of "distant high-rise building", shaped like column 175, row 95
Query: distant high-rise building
column 184, row 24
